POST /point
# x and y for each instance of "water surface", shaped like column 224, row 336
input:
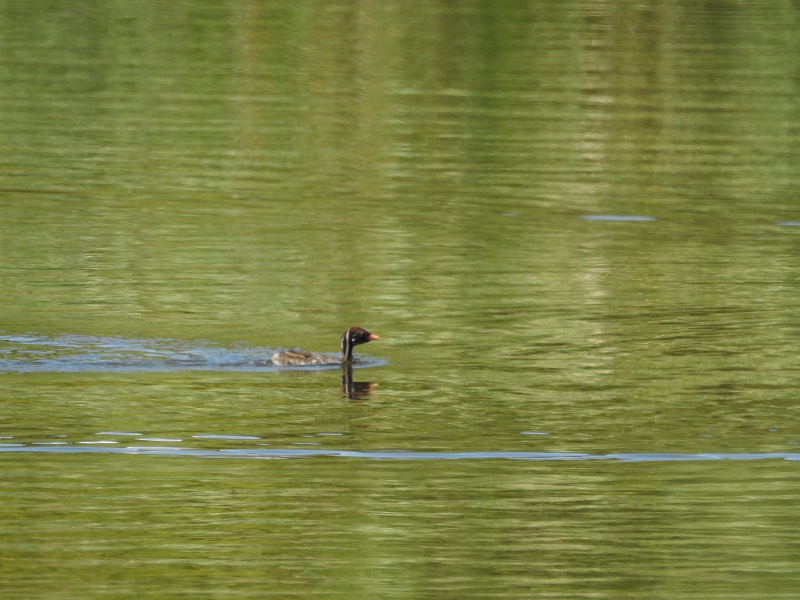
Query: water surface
column 571, row 225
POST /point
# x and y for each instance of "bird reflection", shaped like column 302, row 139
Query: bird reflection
column 355, row 389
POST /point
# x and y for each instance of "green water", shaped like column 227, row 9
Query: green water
column 250, row 175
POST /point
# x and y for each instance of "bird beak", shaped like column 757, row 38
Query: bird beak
column 372, row 336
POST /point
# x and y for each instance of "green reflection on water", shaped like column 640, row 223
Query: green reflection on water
column 144, row 527
column 270, row 173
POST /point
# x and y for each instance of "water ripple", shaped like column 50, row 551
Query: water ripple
column 31, row 353
column 276, row 453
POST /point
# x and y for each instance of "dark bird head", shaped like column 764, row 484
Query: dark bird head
column 353, row 337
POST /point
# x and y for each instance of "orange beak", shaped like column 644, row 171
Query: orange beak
column 372, row 336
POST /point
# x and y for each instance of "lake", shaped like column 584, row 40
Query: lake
column 575, row 227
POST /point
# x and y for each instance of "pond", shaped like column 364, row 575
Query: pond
column 573, row 226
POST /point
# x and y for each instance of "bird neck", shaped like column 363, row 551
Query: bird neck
column 347, row 348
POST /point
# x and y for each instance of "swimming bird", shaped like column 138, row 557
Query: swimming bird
column 298, row 358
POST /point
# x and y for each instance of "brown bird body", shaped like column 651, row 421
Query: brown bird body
column 298, row 358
